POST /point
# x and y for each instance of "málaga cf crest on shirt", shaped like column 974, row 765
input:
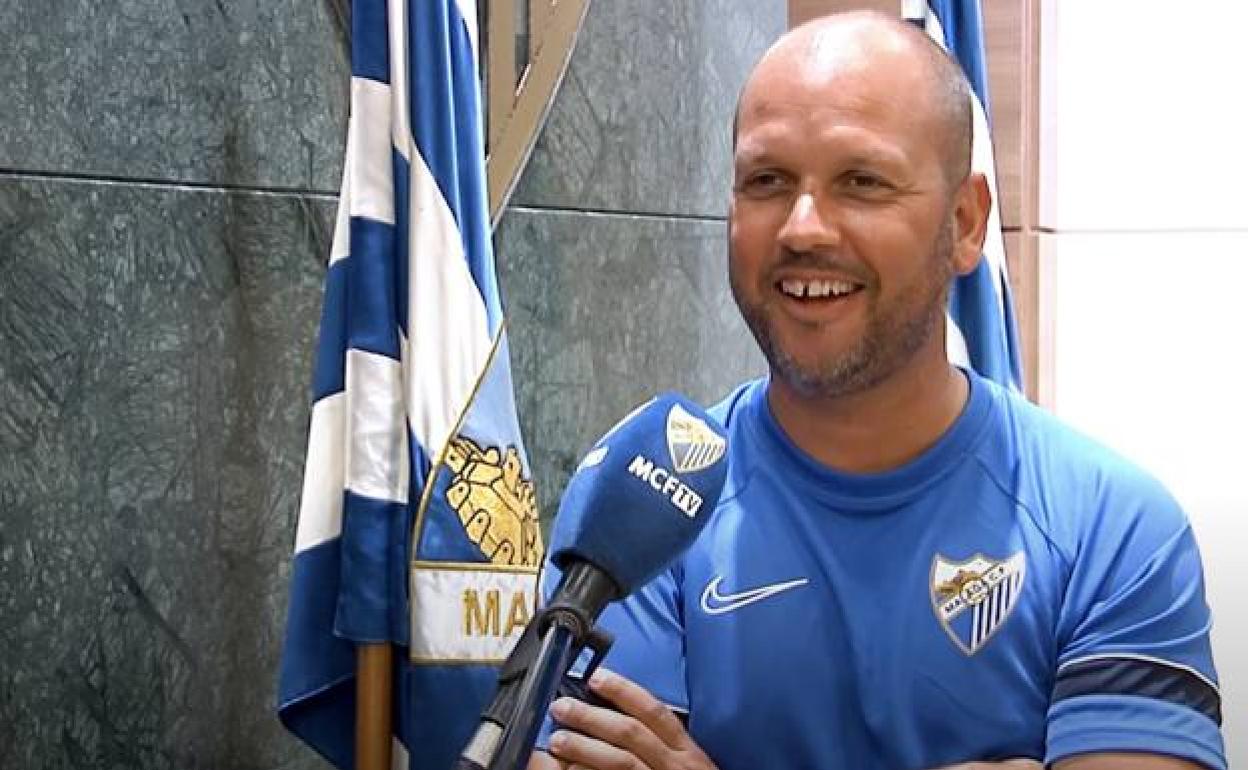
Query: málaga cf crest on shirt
column 974, row 598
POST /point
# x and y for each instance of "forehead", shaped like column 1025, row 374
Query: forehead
column 838, row 86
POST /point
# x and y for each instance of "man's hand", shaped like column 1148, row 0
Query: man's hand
column 646, row 736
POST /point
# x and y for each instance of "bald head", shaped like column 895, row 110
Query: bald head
column 862, row 41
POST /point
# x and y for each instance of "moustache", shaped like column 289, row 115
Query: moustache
column 829, row 263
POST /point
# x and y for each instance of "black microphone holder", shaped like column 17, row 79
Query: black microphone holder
column 565, row 631
column 560, row 632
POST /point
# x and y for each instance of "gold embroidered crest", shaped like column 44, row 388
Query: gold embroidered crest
column 495, row 503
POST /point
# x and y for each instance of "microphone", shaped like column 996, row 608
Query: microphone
column 637, row 501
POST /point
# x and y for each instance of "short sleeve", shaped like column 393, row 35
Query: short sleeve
column 1135, row 669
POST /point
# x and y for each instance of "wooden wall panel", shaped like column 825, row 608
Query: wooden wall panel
column 1029, row 293
column 1003, row 37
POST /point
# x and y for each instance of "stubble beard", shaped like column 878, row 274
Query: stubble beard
column 892, row 337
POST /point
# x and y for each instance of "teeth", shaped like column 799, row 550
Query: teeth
column 819, row 288
column 793, row 288
column 799, row 289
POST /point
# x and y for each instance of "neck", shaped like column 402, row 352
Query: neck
column 877, row 429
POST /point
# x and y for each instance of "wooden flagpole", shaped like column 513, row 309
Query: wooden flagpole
column 374, row 718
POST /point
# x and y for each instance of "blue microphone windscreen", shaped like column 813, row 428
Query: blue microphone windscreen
column 642, row 494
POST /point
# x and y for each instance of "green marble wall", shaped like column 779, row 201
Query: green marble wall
column 168, row 177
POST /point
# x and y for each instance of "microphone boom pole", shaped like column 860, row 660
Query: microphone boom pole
column 566, row 627
column 553, row 659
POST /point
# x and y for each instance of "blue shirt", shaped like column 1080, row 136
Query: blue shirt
column 1015, row 591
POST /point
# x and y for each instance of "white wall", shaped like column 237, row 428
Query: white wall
column 1144, row 188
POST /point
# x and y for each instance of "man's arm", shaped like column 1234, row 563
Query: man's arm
column 1135, row 685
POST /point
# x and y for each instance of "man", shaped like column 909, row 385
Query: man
column 909, row 567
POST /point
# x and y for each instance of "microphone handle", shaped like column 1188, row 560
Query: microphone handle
column 559, row 647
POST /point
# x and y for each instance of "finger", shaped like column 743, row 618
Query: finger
column 584, row 751
column 541, row 760
column 637, row 702
column 621, row 731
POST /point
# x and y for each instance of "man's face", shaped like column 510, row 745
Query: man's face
column 841, row 229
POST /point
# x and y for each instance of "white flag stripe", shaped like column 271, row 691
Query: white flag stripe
column 447, row 357
column 368, row 147
column 955, row 344
column 469, row 615
column 914, row 9
column 466, row 615
column 320, row 508
column 340, row 247
column 398, row 756
column 400, row 114
column 377, row 463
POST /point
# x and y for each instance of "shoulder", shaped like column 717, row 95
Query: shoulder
column 1076, row 488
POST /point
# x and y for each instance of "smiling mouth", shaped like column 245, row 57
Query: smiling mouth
column 818, row 290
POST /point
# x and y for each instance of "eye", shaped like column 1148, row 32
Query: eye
column 762, row 183
column 862, row 181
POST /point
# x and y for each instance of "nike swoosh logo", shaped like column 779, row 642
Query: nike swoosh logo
column 715, row 603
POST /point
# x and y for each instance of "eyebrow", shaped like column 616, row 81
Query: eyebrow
column 876, row 157
column 746, row 155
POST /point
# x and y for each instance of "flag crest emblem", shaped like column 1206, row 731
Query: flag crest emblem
column 495, row 502
column 972, row 599
column 691, row 442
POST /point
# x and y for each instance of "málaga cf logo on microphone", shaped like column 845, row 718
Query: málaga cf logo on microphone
column 691, row 442
column 693, row 447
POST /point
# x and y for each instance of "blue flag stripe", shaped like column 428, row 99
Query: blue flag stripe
column 370, row 44
column 372, row 605
column 963, row 24
column 376, row 276
column 402, row 201
column 318, row 666
column 371, row 307
column 331, row 347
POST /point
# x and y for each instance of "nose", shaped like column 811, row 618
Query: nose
column 808, row 228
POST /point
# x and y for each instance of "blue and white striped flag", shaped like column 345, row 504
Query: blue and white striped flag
column 418, row 524
column 982, row 329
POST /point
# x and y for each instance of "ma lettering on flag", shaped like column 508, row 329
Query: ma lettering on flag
column 982, row 330
column 418, row 523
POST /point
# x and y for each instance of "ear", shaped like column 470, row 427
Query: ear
column 972, row 204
